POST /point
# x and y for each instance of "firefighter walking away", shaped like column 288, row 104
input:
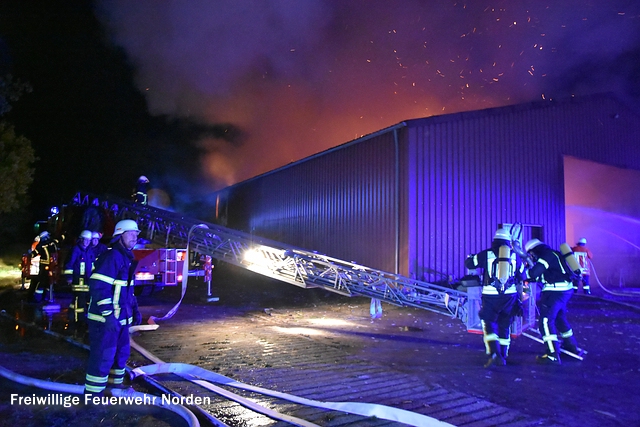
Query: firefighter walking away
column 502, row 271
column 554, row 273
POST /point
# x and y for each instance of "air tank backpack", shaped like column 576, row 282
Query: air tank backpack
column 501, row 274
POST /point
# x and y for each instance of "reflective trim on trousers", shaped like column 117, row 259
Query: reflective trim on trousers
column 548, row 337
column 95, row 384
column 487, row 338
column 504, row 341
column 566, row 334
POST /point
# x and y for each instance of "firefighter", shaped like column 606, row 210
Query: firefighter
column 77, row 270
column 140, row 192
column 502, row 271
column 97, row 246
column 557, row 289
column 112, row 309
column 583, row 256
column 47, row 248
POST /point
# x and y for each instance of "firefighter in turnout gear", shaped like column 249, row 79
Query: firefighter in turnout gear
column 502, row 271
column 47, row 248
column 583, row 256
column 77, row 271
column 140, row 192
column 112, row 309
column 556, row 277
column 97, row 246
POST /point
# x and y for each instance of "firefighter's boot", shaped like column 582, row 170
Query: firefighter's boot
column 551, row 357
column 569, row 344
column 495, row 355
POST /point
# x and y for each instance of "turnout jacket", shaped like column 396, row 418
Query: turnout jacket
column 486, row 260
column 46, row 249
column 78, row 267
column 550, row 269
column 111, row 286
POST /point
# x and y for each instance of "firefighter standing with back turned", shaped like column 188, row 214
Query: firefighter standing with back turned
column 555, row 276
column 112, row 309
column 500, row 300
column 140, row 191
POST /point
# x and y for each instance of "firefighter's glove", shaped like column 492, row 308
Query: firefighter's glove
column 137, row 316
column 111, row 324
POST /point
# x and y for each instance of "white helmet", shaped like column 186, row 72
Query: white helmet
column 582, row 241
column 532, row 244
column 96, row 235
column 503, row 234
column 44, row 235
column 143, row 179
column 125, row 225
column 86, row 234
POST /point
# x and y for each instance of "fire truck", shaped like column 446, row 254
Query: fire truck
column 157, row 266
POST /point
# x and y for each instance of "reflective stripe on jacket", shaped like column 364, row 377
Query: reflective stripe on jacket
column 550, row 270
column 111, row 286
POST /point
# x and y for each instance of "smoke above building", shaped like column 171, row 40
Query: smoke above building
column 300, row 76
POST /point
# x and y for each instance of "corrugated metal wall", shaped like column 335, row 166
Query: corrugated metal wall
column 341, row 203
column 459, row 176
column 479, row 169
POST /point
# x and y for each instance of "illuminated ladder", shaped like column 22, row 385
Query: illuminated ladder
column 283, row 262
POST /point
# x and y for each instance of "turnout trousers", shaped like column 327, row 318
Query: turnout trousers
column 496, row 315
column 108, row 355
column 553, row 319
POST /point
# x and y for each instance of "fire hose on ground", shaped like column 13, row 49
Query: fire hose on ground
column 206, row 379
column 121, row 396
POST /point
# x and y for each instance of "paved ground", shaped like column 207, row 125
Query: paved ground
column 323, row 346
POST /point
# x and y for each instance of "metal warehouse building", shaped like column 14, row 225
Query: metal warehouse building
column 417, row 197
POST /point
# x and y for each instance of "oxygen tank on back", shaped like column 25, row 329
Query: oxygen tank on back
column 504, row 264
column 571, row 260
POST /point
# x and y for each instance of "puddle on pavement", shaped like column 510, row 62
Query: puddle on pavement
column 22, row 320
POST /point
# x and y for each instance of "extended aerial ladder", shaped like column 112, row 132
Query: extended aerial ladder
column 303, row 268
column 297, row 266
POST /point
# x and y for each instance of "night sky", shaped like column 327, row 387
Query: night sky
column 198, row 95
